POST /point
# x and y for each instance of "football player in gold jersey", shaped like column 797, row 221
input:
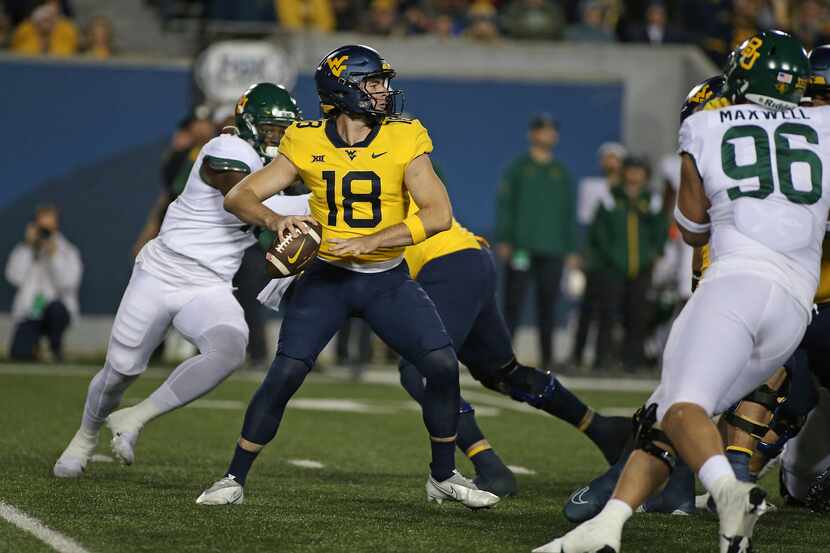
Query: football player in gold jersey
column 456, row 269
column 362, row 163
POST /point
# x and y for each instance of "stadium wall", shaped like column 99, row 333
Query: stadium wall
column 94, row 148
column 89, row 136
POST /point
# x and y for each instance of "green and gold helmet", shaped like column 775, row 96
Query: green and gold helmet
column 770, row 69
column 264, row 104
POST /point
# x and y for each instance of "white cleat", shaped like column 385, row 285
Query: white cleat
column 739, row 506
column 226, row 491
column 73, row 460
column 594, row 536
column 461, row 489
column 124, row 435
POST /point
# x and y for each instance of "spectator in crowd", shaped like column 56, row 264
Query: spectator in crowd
column 98, row 38
column 624, row 241
column 382, row 18
column 810, row 21
column 535, row 229
column 46, row 270
column 533, row 20
column 726, row 28
column 591, row 26
column 317, row 15
column 347, row 14
column 656, row 29
column 595, row 192
column 19, row 10
column 482, row 22
column 415, row 19
column 46, row 31
column 443, row 26
column 5, row 30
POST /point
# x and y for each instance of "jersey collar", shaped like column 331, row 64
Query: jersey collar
column 338, row 142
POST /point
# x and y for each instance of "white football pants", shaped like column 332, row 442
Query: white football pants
column 210, row 317
column 731, row 336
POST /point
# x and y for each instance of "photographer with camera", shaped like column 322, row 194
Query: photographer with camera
column 46, row 269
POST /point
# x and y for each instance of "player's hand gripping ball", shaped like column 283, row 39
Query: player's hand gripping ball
column 290, row 254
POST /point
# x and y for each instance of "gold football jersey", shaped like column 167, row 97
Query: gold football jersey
column 823, row 292
column 454, row 239
column 358, row 189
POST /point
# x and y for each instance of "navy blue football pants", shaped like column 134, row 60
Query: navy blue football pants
column 463, row 287
column 398, row 311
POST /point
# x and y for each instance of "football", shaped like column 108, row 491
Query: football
column 289, row 255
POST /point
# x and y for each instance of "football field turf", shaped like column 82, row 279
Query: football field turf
column 368, row 495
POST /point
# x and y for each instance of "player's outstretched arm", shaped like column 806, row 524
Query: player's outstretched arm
column 692, row 210
column 434, row 215
column 245, row 199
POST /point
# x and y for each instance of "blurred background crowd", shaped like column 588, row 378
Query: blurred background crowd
column 34, row 27
column 591, row 263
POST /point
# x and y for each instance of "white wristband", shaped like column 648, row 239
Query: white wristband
column 688, row 224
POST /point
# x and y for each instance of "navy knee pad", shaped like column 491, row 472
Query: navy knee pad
column 439, row 366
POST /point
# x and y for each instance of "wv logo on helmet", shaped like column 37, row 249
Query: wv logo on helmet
column 337, row 65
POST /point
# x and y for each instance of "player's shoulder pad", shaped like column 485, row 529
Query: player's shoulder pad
column 305, row 125
column 407, row 130
column 229, row 145
column 228, row 152
column 389, row 120
column 404, row 125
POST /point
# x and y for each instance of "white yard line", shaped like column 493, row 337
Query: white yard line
column 101, row 458
column 305, row 463
column 490, row 402
column 52, row 538
column 516, row 469
column 374, row 376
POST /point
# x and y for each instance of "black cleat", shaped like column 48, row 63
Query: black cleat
column 500, row 482
column 611, row 435
column 586, row 502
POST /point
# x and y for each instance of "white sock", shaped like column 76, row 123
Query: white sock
column 618, row 510
column 145, row 411
column 714, row 469
column 88, row 434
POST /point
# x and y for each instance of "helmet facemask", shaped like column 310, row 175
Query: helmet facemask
column 266, row 149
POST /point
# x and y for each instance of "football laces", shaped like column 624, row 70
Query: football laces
column 284, row 244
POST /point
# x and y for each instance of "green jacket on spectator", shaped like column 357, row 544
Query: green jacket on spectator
column 536, row 208
column 626, row 238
